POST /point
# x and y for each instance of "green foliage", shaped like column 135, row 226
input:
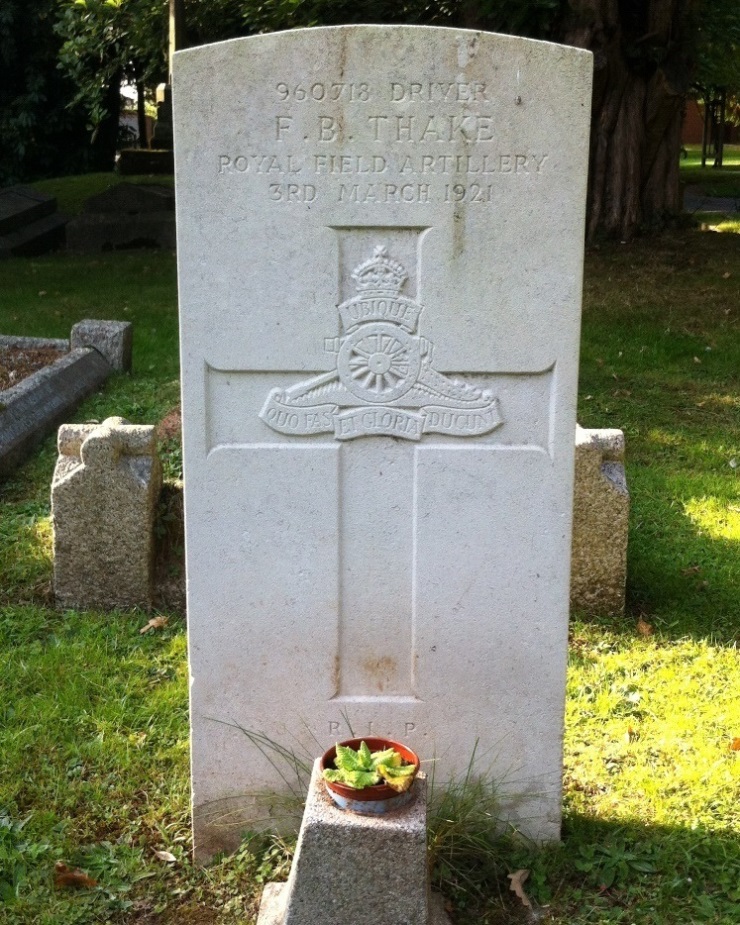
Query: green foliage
column 362, row 768
column 105, row 42
column 717, row 36
column 466, row 852
column 42, row 135
column 17, row 852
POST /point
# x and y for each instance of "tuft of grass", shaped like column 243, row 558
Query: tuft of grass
column 25, row 552
column 466, row 852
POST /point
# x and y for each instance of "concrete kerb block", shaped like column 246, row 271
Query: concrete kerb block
column 112, row 339
column 104, row 495
column 37, row 404
column 368, row 870
column 600, row 523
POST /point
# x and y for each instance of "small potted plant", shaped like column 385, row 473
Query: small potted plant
column 371, row 776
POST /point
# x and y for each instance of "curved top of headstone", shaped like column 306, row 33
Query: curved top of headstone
column 483, row 136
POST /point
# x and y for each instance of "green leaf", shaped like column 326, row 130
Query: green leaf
column 347, row 759
column 366, row 758
column 389, row 757
column 356, row 779
column 400, row 779
column 361, row 779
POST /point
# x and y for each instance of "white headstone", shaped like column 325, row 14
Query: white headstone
column 380, row 241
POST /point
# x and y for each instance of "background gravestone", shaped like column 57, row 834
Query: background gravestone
column 29, row 222
column 127, row 215
column 380, row 256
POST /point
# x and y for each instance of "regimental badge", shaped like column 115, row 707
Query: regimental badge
column 384, row 383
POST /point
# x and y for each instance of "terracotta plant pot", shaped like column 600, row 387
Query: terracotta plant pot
column 379, row 798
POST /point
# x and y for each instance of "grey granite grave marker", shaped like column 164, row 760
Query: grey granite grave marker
column 380, row 255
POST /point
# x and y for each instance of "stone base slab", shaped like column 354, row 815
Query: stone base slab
column 367, row 870
column 274, row 896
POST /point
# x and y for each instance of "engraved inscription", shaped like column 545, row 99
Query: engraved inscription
column 317, row 92
column 417, row 128
column 369, row 727
column 385, row 192
column 384, row 383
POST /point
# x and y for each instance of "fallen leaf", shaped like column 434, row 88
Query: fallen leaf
column 65, row 876
column 156, row 623
column 518, row 879
column 691, row 570
column 644, row 628
column 165, row 856
column 726, row 275
column 735, row 745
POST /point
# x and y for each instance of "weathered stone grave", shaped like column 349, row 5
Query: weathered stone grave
column 127, row 215
column 380, row 256
column 29, row 222
column 103, row 501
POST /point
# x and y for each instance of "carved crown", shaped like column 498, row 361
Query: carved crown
column 380, row 274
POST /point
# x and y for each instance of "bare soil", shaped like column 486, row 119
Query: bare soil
column 18, row 362
column 171, row 425
column 170, row 527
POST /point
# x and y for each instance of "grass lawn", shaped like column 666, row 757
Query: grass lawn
column 93, row 714
column 713, row 182
column 71, row 192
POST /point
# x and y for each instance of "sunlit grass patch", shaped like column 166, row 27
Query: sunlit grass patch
column 650, row 728
column 717, row 519
column 727, row 223
column 25, row 551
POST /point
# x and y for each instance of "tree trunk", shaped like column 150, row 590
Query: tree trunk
column 641, row 76
column 141, row 114
column 105, row 139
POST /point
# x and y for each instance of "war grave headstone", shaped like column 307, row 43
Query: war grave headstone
column 380, row 244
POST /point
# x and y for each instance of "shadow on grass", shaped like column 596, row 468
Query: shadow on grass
column 651, row 873
column 684, row 554
column 613, row 872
